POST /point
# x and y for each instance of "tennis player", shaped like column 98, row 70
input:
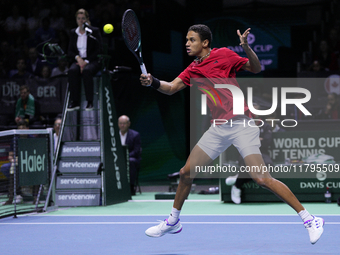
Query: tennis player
column 222, row 63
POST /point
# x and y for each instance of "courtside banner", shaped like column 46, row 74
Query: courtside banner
column 81, row 149
column 50, row 93
column 117, row 187
column 290, row 110
column 33, row 161
column 79, row 182
column 81, row 165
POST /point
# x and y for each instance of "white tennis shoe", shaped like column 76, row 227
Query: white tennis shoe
column 231, row 180
column 315, row 228
column 236, row 195
column 164, row 228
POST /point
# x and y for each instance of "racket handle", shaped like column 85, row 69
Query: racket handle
column 143, row 69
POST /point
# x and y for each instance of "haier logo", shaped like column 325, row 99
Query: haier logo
column 32, row 163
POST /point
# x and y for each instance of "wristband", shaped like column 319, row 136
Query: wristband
column 155, row 83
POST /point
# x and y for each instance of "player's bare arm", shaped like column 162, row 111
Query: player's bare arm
column 253, row 65
column 165, row 87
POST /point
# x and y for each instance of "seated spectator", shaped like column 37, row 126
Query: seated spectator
column 20, row 72
column 45, row 32
column 131, row 139
column 315, row 67
column 332, row 109
column 326, row 58
column 15, row 24
column 56, row 128
column 33, row 22
column 333, row 41
column 57, row 22
column 61, row 69
column 3, row 72
column 9, row 169
column 45, row 72
column 26, row 107
column 33, row 63
column 7, row 55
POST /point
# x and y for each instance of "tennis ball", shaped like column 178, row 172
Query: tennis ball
column 108, row 28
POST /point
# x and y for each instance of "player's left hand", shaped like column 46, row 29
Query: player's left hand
column 243, row 37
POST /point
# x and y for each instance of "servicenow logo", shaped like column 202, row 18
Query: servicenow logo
column 77, row 197
column 80, row 164
column 78, row 181
column 81, row 149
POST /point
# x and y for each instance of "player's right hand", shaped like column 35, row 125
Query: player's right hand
column 146, row 80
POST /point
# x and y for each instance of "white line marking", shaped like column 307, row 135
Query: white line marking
column 144, row 223
column 182, row 214
column 171, row 200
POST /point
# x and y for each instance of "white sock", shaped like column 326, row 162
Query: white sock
column 304, row 214
column 174, row 215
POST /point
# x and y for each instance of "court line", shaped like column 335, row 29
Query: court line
column 162, row 215
column 144, row 223
column 171, row 200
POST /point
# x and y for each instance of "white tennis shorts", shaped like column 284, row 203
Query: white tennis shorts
column 243, row 134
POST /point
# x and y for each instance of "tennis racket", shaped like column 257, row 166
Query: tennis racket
column 132, row 36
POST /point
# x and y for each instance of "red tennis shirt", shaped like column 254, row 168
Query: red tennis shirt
column 219, row 68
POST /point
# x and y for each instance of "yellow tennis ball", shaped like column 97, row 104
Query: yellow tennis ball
column 108, row 28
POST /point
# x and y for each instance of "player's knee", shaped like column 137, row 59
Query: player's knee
column 185, row 175
column 264, row 182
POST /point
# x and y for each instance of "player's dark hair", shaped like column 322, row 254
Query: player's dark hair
column 203, row 31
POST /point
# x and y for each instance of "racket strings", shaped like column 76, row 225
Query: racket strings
column 131, row 30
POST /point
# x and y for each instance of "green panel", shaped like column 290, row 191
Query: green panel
column 116, row 186
column 33, row 163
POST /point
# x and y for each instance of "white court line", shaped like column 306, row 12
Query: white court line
column 171, row 200
column 166, row 215
column 144, row 223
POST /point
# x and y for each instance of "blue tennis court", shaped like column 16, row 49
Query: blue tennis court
column 202, row 234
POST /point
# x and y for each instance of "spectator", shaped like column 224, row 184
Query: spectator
column 57, row 22
column 26, row 107
column 63, row 40
column 15, row 24
column 326, row 58
column 8, row 56
column 61, row 69
column 56, row 128
column 9, row 170
column 3, row 72
column 84, row 48
column 131, row 139
column 333, row 41
column 20, row 72
column 316, row 67
column 45, row 32
column 46, row 72
column 33, row 22
column 34, row 64
column 332, row 109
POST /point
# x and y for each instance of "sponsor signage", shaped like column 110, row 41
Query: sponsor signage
column 301, row 144
column 117, row 188
column 33, row 161
column 78, row 182
column 306, row 190
column 50, row 93
column 81, row 149
column 77, row 197
column 79, row 165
